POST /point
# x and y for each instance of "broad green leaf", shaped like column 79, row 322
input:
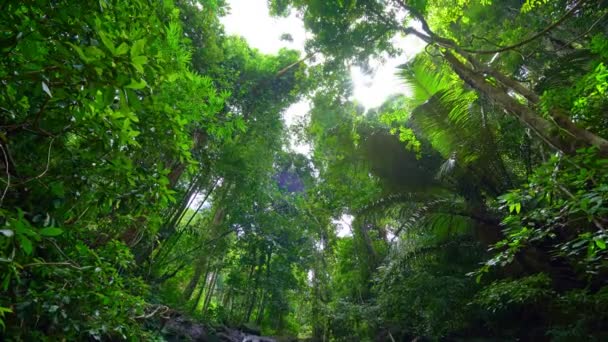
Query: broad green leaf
column 136, row 84
column 26, row 245
column 79, row 52
column 138, row 62
column 601, row 244
column 173, row 76
column 107, row 42
column 122, row 49
column 94, row 53
column 138, row 48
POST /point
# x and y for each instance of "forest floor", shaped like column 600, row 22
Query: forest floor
column 178, row 327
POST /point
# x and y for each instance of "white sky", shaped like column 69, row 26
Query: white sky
column 251, row 20
column 344, row 226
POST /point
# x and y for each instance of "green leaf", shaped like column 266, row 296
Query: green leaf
column 26, row 245
column 122, row 49
column 138, row 62
column 80, row 52
column 138, row 48
column 107, row 42
column 601, row 244
column 94, row 53
column 136, row 84
column 517, row 207
column 51, row 231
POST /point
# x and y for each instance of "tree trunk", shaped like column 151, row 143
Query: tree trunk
column 562, row 133
column 183, row 204
column 176, row 172
column 210, row 290
column 363, row 230
column 227, row 297
column 254, row 295
column 166, row 249
column 201, row 291
column 198, row 272
column 260, row 314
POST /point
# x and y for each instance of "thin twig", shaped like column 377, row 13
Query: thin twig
column 81, row 214
column 532, row 38
column 449, row 43
column 597, row 223
column 154, row 312
column 583, row 34
column 40, row 111
column 48, row 162
column 8, row 175
column 56, row 264
column 60, row 251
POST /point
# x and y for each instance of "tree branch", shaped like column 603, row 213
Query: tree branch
column 46, row 169
column 8, row 175
column 531, row 39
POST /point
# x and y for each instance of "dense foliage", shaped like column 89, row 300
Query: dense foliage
column 145, row 170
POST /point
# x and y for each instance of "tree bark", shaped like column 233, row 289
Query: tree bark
column 254, row 295
column 210, row 290
column 200, row 291
column 260, row 313
column 171, row 228
column 198, row 272
column 562, row 134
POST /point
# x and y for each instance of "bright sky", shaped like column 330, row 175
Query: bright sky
column 251, row 20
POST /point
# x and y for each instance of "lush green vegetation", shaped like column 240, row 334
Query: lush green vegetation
column 144, row 171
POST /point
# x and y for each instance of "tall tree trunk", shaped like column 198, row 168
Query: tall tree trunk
column 200, row 291
column 317, row 327
column 363, row 230
column 178, row 209
column 166, row 249
column 201, row 266
column 253, row 296
column 210, row 290
column 260, row 313
column 227, row 297
column 176, row 172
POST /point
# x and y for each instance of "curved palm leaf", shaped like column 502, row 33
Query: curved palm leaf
column 458, row 124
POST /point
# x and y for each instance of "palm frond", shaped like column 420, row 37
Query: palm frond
column 423, row 79
column 443, row 107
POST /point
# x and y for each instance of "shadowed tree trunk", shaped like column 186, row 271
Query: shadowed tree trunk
column 201, row 290
column 201, row 266
column 210, row 290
